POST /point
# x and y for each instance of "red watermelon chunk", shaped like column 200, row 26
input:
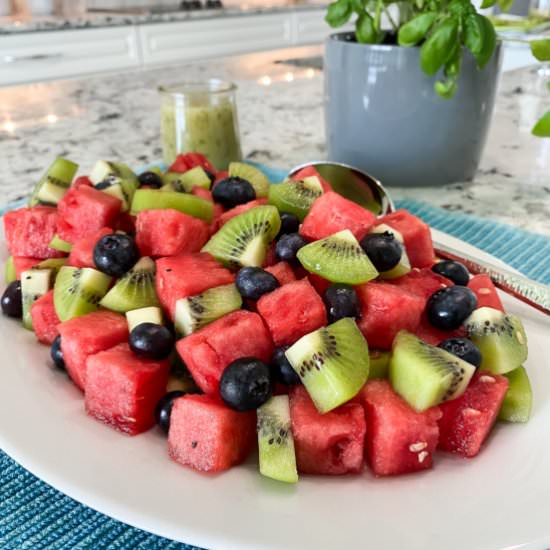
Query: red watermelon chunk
column 82, row 180
column 422, row 282
column 20, row 263
column 385, row 310
column 122, row 390
column 310, row 171
column 331, row 213
column 292, row 311
column 87, row 335
column 29, row 232
column 84, row 210
column 186, row 161
column 126, row 222
column 485, row 291
column 169, row 233
column 203, row 193
column 282, row 272
column 226, row 216
column 468, row 420
column 82, row 252
column 186, row 275
column 45, row 319
column 434, row 336
column 208, row 351
column 208, row 436
column 331, row 443
column 417, row 236
column 319, row 284
column 399, row 439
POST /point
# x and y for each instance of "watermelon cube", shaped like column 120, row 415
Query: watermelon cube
column 207, row 352
column 467, row 421
column 186, row 275
column 485, row 291
column 422, row 282
column 186, row 161
column 87, row 335
column 399, row 439
column 82, row 252
column 82, row 180
column 282, row 272
column 319, row 284
column 385, row 310
column 331, row 213
column 126, row 222
column 292, row 311
column 226, row 216
column 45, row 319
column 417, row 236
column 331, row 443
column 29, row 232
column 203, row 193
column 20, row 263
column 434, row 336
column 169, row 233
column 310, row 171
column 123, row 390
column 208, row 436
column 84, row 210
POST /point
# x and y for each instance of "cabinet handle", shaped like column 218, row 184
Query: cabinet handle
column 33, row 57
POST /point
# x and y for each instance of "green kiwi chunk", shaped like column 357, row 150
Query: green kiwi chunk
column 518, row 400
column 252, row 175
column 54, row 264
column 116, row 179
column 332, row 362
column 379, row 364
column 500, row 337
column 244, row 239
column 404, row 265
column 275, row 441
column 57, row 243
column 53, row 185
column 134, row 290
column 150, row 314
column 184, row 183
column 34, row 284
column 295, row 197
column 78, row 290
column 155, row 199
column 425, row 375
column 195, row 312
column 10, row 274
column 338, row 258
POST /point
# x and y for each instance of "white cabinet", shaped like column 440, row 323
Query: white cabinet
column 31, row 57
column 311, row 27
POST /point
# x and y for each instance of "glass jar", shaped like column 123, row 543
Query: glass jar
column 200, row 117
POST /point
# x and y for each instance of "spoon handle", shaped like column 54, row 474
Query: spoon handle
column 535, row 294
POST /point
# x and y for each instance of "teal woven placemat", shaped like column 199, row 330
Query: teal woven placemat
column 35, row 516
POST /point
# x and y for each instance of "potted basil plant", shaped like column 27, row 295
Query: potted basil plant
column 412, row 105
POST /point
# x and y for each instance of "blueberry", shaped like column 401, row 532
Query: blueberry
column 289, row 223
column 287, row 247
column 211, row 176
column 57, row 354
column 12, row 302
column 341, row 301
column 105, row 184
column 151, row 179
column 383, row 250
column 253, row 282
column 151, row 341
column 245, row 384
column 233, row 191
column 282, row 369
column 115, row 254
column 163, row 410
column 454, row 271
column 463, row 348
column 449, row 307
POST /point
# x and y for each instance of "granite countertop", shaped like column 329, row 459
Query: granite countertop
column 281, row 118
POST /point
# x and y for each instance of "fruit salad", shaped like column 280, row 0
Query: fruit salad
column 243, row 317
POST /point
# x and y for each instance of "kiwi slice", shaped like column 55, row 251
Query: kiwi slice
column 252, row 175
column 116, row 179
column 244, row 239
column 78, row 291
column 404, row 265
column 379, row 364
column 53, row 185
column 275, row 441
column 10, row 274
column 134, row 290
column 425, row 375
column 150, row 314
column 500, row 337
column 34, row 284
column 184, row 183
column 57, row 243
column 338, row 258
column 295, row 197
column 518, row 400
column 332, row 362
column 54, row 264
column 156, row 199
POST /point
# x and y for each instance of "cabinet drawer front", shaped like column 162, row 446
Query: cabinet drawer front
column 38, row 56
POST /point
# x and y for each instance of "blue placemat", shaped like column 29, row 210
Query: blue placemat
column 35, row 516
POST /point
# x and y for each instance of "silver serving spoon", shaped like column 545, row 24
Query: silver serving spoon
column 367, row 191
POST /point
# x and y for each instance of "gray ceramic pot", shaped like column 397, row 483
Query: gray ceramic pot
column 382, row 114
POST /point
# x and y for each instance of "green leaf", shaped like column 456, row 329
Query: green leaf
column 338, row 13
column 365, row 30
column 489, row 41
column 542, row 127
column 445, row 88
column 358, row 6
column 541, row 49
column 440, row 46
column 411, row 33
column 488, row 4
column 473, row 34
column 505, row 5
column 452, row 67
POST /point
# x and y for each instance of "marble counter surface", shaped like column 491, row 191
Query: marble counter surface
column 281, row 118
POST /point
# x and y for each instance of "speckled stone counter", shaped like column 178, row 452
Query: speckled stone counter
column 281, row 118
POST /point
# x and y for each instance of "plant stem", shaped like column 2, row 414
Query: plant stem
column 378, row 14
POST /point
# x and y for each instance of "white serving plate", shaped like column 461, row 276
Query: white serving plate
column 498, row 500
